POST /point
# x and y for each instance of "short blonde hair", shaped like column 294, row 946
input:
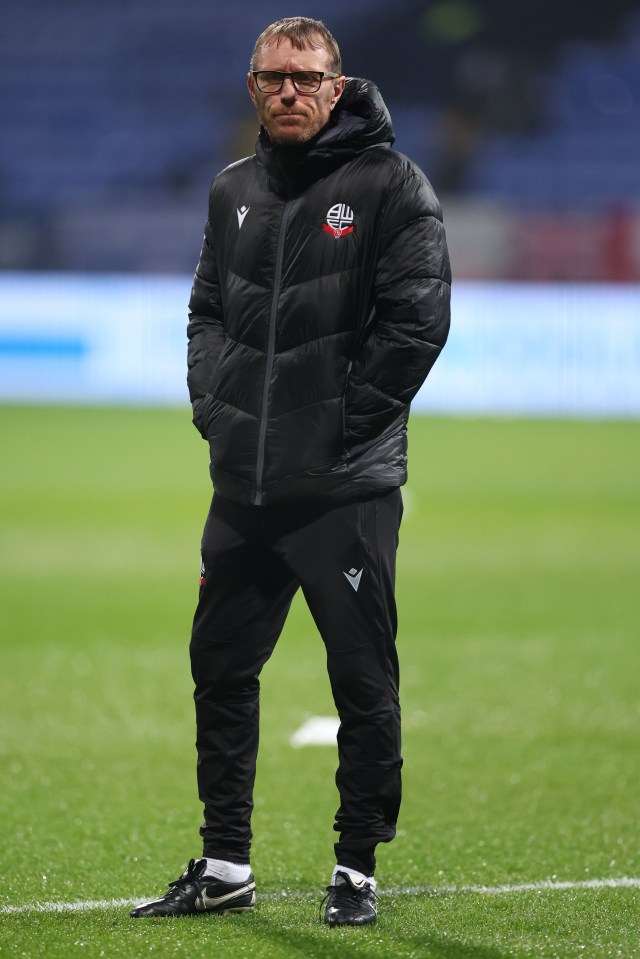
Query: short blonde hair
column 302, row 32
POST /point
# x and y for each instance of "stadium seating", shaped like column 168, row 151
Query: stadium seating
column 116, row 116
column 586, row 152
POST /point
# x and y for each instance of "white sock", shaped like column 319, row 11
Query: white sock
column 227, row 871
column 355, row 874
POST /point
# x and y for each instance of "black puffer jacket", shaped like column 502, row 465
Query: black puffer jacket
column 319, row 305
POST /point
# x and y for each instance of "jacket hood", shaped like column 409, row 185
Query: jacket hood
column 359, row 120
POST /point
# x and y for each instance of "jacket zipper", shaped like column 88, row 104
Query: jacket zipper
column 271, row 349
column 345, row 451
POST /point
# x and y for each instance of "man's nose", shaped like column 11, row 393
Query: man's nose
column 288, row 91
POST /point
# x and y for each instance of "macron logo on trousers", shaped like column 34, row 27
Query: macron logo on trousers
column 353, row 577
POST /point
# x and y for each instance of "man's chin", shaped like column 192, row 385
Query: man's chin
column 290, row 134
column 292, row 138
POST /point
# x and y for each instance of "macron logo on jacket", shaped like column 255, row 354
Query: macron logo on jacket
column 242, row 212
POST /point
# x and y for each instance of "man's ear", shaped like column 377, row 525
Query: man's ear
column 251, row 87
column 338, row 90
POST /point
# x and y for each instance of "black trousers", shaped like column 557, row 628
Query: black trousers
column 254, row 560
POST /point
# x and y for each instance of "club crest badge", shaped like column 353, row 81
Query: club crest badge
column 339, row 221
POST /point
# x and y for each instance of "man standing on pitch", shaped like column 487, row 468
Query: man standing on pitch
column 319, row 305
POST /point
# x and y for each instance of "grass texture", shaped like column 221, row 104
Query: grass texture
column 519, row 599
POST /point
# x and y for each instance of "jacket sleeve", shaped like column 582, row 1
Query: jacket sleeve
column 205, row 331
column 412, row 288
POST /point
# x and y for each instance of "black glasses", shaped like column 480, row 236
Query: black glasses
column 305, row 81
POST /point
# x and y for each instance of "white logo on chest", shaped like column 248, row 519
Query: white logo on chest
column 242, row 212
column 339, row 220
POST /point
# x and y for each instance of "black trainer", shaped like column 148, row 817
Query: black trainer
column 350, row 902
column 194, row 893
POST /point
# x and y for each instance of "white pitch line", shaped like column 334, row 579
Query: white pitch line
column 78, row 906
column 316, row 731
column 623, row 882
column 548, row 885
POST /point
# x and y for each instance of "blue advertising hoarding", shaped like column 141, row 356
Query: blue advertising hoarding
column 514, row 348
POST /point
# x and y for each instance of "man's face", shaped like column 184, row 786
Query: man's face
column 290, row 117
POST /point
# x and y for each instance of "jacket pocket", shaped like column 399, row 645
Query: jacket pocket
column 368, row 413
column 199, row 419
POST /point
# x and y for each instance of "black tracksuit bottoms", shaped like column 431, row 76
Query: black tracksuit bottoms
column 254, row 559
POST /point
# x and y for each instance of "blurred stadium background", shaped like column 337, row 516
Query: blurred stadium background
column 115, row 117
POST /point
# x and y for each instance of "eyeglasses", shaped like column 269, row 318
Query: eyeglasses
column 304, row 81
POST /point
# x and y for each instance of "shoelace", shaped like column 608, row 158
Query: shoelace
column 187, row 876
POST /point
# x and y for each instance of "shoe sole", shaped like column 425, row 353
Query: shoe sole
column 199, row 912
column 367, row 922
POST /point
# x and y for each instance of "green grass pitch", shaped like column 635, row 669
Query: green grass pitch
column 519, row 597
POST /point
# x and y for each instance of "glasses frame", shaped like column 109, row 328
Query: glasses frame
column 292, row 76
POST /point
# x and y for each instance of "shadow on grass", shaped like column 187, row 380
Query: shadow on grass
column 273, row 934
column 441, row 948
column 378, row 942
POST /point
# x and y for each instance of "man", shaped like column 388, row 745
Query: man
column 320, row 303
